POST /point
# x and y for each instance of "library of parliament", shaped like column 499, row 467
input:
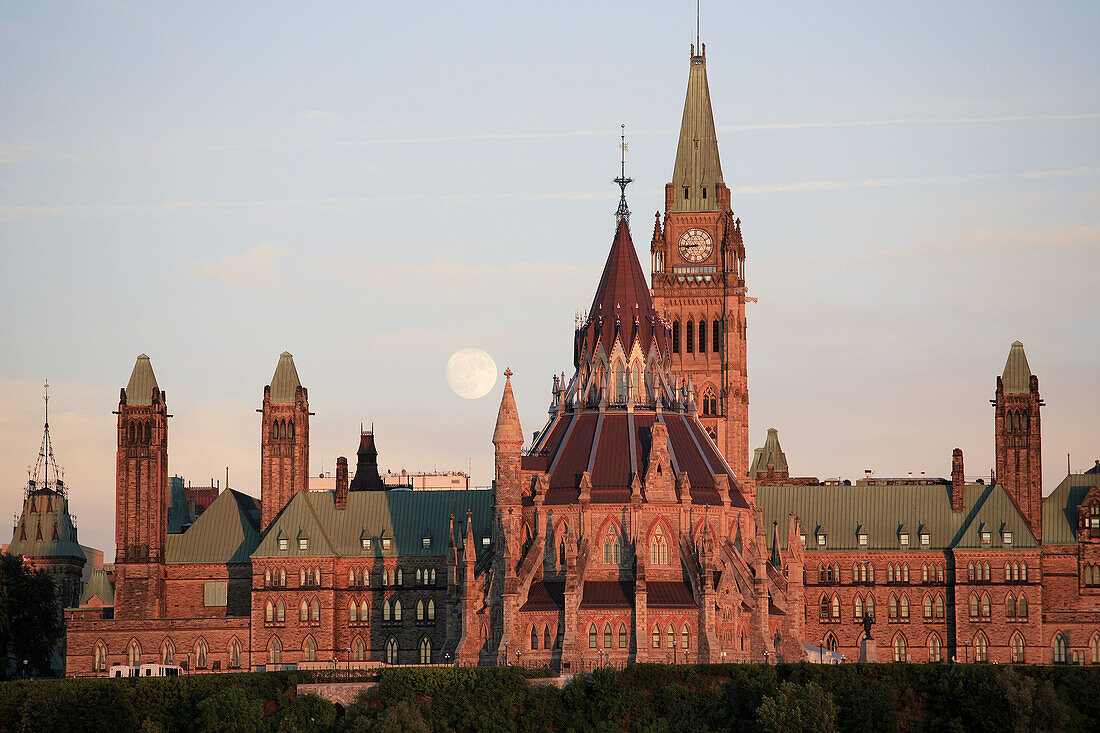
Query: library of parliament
column 637, row 526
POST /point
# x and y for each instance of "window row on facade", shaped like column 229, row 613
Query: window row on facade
column 357, row 652
column 357, row 577
column 695, row 336
column 199, row 652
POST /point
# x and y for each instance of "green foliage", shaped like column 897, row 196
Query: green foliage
column 230, row 711
column 30, row 619
column 305, row 714
column 797, row 707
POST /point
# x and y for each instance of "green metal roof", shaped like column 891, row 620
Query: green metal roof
column 99, row 586
column 285, row 382
column 883, row 512
column 1017, row 374
column 770, row 455
column 45, row 514
column 139, row 390
column 227, row 532
column 1060, row 508
column 405, row 517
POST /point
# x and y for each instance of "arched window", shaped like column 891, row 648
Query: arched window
column 710, row 402
column 618, row 381
column 1017, row 645
column 637, row 388
column 317, row 576
column 985, row 605
column 970, row 571
column 1094, row 646
column 689, row 336
column 612, row 550
column 656, row 637
column 419, row 609
column 167, row 652
column 981, row 648
column 433, row 576
column 928, row 606
column 1010, row 606
column 99, row 657
column 363, row 608
column 901, row 648
column 397, row 609
column 418, row 578
column 534, row 637
column 1059, row 649
column 302, row 577
column 353, row 611
column 986, row 574
column 858, row 606
column 358, row 649
column 676, row 337
column 282, row 577
column 939, row 606
column 267, row 577
column 385, row 576
column 592, row 636
column 274, row 651
column 623, row 641
column 1008, row 571
column 904, row 606
column 825, row 605
column 280, row 612
column 685, row 637
column 658, row 548
column 836, row 606
column 702, row 336
column 934, row 647
column 400, row 577
column 973, row 605
column 201, row 654
column 290, row 429
column 869, row 606
column 303, row 611
column 716, row 335
column 607, row 636
column 924, row 573
column 830, row 642
column 234, row 654
column 391, row 651
column 893, row 607
column 385, row 610
column 269, row 612
column 546, row 637
column 670, row 636
column 1023, row 572
column 431, row 609
column 425, row 650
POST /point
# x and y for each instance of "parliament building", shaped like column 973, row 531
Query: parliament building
column 635, row 527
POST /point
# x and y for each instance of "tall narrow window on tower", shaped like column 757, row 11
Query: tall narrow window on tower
column 689, row 336
column 675, row 337
column 716, row 335
column 702, row 335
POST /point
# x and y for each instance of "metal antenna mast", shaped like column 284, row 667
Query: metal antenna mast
column 622, row 212
column 697, row 27
column 46, row 458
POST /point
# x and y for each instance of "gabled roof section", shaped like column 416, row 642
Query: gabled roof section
column 406, row 517
column 227, row 532
column 770, row 455
column 1017, row 374
column 697, row 163
column 139, row 390
column 1060, row 507
column 285, row 382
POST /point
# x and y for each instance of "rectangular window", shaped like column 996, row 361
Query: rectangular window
column 904, row 539
column 1007, row 537
column 426, row 543
column 925, row 539
column 282, row 544
column 484, row 541
column 704, row 193
column 685, row 193
column 862, row 539
column 821, row 540
column 214, row 592
column 303, row 544
column 987, row 537
column 386, row 543
column 366, row 543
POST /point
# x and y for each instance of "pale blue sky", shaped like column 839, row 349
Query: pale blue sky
column 373, row 186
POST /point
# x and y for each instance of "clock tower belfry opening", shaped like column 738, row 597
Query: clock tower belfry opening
column 698, row 276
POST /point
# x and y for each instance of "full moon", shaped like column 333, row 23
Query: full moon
column 471, row 373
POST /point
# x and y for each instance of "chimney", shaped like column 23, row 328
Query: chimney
column 341, row 482
column 957, row 481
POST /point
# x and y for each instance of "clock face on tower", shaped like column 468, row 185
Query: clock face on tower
column 695, row 245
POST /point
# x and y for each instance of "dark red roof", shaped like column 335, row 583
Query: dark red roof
column 545, row 597
column 611, row 472
column 607, row 594
column 663, row 594
column 622, row 306
column 574, row 457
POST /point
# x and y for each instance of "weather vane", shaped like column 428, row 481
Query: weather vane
column 622, row 212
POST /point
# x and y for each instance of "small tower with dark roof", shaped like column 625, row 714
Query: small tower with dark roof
column 508, row 445
column 141, row 496
column 1018, row 437
column 284, row 440
column 367, row 477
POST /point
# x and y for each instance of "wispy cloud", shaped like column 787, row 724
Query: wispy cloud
column 803, row 186
column 912, row 121
column 259, row 268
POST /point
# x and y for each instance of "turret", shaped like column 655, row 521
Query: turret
column 508, row 445
column 284, row 440
column 1018, row 437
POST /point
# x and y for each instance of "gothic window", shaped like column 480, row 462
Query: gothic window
column 869, row 606
column 619, row 378
column 1023, row 572
column 685, row 193
column 716, row 335
column 981, row 647
column 280, row 612
column 831, row 642
column 824, row 606
column 433, row 576
column 702, row 335
column 622, row 636
column 353, row 611
column 1017, row 646
column 656, row 637
column 363, row 608
column 637, row 391
column 934, row 647
column 592, row 636
column 133, row 653
column 901, row 648
column 939, row 606
column 607, row 636
column 431, row 609
column 317, row 576
column 1094, row 647
column 905, row 573
column 835, row 606
column 1059, row 649
column 201, row 654
column 391, row 651
column 282, row 577
column 970, row 571
column 939, row 573
column 612, row 548
column 400, row 577
column 302, row 577
column 425, row 650
column 234, row 654
column 546, row 637
column 269, row 612
column 685, row 637
column 303, row 611
column 397, row 609
column 670, row 637
column 928, row 607
column 676, row 337
column 973, row 605
column 385, row 610
column 710, row 402
column 985, row 571
column 534, row 637
column 893, row 606
column 1010, row 606
column 858, row 606
column 385, row 576
column 658, row 548
column 132, row 439
column 168, row 652
column 290, row 429
column 904, row 606
column 358, row 649
column 689, row 336
column 99, row 657
column 870, row 573
column 420, row 611
column 985, row 605
column 274, row 651
column 267, row 578
column 1021, row 606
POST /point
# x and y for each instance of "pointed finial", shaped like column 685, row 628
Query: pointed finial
column 508, row 373
column 622, row 212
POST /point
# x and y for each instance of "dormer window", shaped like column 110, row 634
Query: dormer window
column 303, row 544
column 366, row 543
column 1006, row 537
column 925, row 539
column 685, row 193
column 484, row 541
column 986, row 536
column 802, row 537
column 426, row 543
column 822, row 539
column 283, row 544
column 386, row 543
column 903, row 538
column 862, row 539
column 704, row 193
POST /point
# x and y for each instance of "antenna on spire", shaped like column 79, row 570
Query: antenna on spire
column 622, row 212
column 697, row 44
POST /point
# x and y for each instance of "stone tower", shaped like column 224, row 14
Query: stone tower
column 141, row 496
column 508, row 444
column 284, row 440
column 1018, row 437
column 698, row 277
